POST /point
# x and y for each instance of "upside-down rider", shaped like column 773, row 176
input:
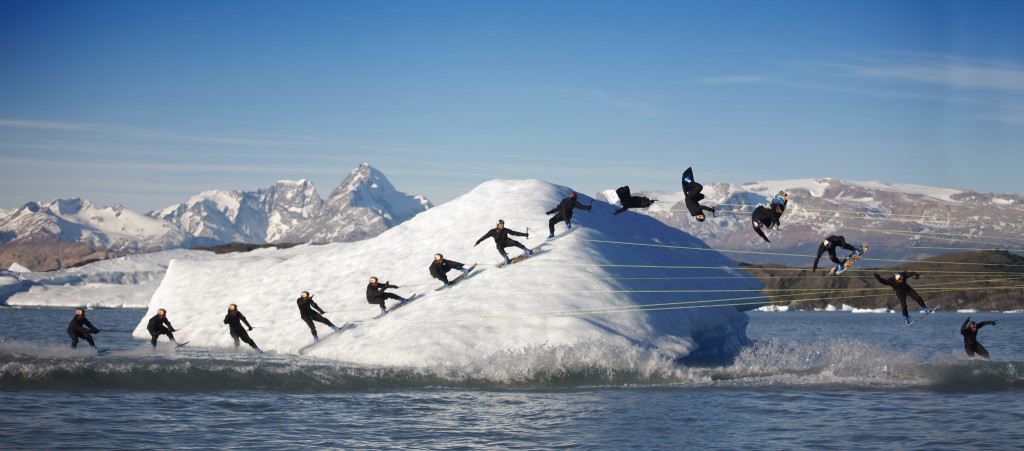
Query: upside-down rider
column 830, row 244
column 627, row 200
column 771, row 216
column 692, row 190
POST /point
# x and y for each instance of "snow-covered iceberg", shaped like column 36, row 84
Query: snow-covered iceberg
column 617, row 285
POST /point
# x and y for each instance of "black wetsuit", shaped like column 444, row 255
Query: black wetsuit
column 375, row 294
column 903, row 290
column 629, row 201
column 693, row 201
column 80, row 327
column 971, row 344
column 439, row 270
column 311, row 312
column 563, row 212
column 159, row 325
column 501, row 239
column 234, row 320
column 834, row 242
column 762, row 217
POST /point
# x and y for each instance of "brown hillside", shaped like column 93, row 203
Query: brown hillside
column 990, row 280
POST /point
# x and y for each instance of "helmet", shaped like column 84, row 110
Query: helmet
column 161, row 312
column 438, row 257
column 305, row 294
column 501, row 222
column 899, row 276
column 826, row 243
column 782, row 194
column 573, row 195
column 373, row 279
column 701, row 217
column 79, row 312
column 757, row 223
column 232, row 307
column 972, row 324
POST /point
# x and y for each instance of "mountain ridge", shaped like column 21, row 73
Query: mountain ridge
column 363, row 205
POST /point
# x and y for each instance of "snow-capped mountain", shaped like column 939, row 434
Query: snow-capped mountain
column 362, row 206
column 64, row 232
column 217, row 217
column 898, row 221
column 67, row 231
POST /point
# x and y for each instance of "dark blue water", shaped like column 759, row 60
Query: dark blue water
column 810, row 380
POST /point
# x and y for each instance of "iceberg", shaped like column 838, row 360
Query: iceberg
column 616, row 285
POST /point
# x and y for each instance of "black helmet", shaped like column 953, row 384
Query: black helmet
column 573, row 195
column 501, row 222
column 438, row 257
column 232, row 307
column 373, row 279
column 79, row 312
column 305, row 294
column 161, row 312
column 701, row 217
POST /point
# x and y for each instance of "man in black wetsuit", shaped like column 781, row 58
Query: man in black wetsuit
column 692, row 190
column 969, row 329
column 439, row 268
column 80, row 327
column 830, row 244
column 771, row 216
column 234, row 320
column 902, row 290
column 311, row 312
column 160, row 325
column 501, row 239
column 563, row 212
column 375, row 294
column 627, row 200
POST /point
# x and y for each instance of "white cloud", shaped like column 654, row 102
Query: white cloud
column 952, row 72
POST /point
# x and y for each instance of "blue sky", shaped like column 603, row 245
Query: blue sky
column 145, row 103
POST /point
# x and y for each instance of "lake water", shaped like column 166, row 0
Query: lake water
column 808, row 380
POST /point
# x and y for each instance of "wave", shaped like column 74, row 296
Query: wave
column 773, row 363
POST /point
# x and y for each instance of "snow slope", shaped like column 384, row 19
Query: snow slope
column 578, row 298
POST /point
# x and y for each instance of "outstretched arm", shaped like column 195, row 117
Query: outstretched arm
column 513, row 232
column 821, row 250
column 880, row 279
column 486, row 235
column 577, row 204
column 984, row 323
column 913, row 274
column 963, row 326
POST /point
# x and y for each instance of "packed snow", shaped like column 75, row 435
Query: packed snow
column 615, row 285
